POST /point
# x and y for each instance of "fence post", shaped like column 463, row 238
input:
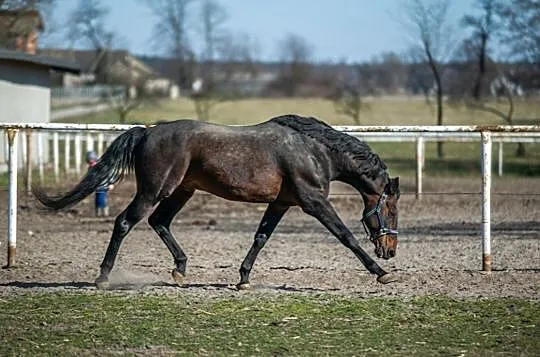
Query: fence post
column 40, row 155
column 67, row 150
column 99, row 150
column 12, row 201
column 500, row 161
column 89, row 142
column 29, row 163
column 419, row 165
column 56, row 158
column 486, row 200
column 78, row 153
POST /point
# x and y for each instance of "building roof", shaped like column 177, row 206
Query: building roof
column 57, row 64
column 89, row 60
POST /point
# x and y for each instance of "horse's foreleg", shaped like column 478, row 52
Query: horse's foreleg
column 161, row 219
column 123, row 224
column 320, row 208
column 271, row 218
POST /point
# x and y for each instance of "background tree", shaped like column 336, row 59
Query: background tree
column 205, row 92
column 295, row 57
column 426, row 21
column 15, row 22
column 171, row 34
column 348, row 101
column 86, row 25
column 354, row 84
column 483, row 26
column 520, row 29
column 486, row 26
column 213, row 17
column 239, row 56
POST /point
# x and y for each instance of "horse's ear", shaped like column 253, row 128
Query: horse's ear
column 394, row 187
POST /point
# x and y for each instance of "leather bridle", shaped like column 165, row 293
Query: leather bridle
column 382, row 231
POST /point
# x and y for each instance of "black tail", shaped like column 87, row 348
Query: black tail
column 118, row 160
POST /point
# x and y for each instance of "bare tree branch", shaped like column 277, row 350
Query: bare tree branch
column 86, row 24
column 427, row 23
column 295, row 53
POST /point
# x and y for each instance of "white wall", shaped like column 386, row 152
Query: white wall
column 22, row 103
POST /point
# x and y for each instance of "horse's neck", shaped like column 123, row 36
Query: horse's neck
column 364, row 183
column 376, row 185
column 359, row 176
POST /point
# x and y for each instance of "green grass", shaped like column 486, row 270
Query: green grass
column 381, row 111
column 292, row 325
column 462, row 159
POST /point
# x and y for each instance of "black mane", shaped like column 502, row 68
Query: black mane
column 370, row 163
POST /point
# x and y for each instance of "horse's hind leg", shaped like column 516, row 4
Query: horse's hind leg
column 134, row 212
column 161, row 219
column 271, row 218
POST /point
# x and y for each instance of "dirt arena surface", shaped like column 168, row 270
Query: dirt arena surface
column 439, row 251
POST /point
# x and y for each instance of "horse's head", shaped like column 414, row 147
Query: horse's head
column 380, row 219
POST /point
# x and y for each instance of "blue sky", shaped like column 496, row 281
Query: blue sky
column 354, row 30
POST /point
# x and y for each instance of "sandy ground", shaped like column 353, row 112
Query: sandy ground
column 440, row 249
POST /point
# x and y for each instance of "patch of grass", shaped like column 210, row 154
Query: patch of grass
column 381, row 111
column 461, row 159
column 48, row 324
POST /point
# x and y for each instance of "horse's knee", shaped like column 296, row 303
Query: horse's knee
column 260, row 240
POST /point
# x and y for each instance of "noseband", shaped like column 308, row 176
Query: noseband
column 382, row 231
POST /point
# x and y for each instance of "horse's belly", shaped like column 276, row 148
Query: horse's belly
column 239, row 186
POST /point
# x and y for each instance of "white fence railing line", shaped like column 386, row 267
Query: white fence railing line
column 347, row 129
column 420, row 133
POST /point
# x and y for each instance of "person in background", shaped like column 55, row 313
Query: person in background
column 101, row 200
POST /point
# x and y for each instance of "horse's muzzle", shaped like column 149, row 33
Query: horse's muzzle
column 386, row 246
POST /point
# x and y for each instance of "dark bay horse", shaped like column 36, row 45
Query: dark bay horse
column 287, row 161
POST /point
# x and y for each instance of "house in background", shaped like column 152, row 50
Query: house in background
column 104, row 72
column 25, row 95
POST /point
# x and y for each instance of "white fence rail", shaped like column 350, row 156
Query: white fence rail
column 87, row 94
column 104, row 133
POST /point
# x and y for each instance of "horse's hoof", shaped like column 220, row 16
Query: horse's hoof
column 388, row 278
column 102, row 284
column 177, row 277
column 243, row 286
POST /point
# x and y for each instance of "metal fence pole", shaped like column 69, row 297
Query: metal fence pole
column 99, row 150
column 420, row 152
column 486, row 201
column 40, row 155
column 500, row 161
column 67, row 150
column 29, row 161
column 56, row 157
column 12, row 201
column 89, row 142
column 78, row 153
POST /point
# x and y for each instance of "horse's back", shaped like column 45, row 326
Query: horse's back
column 237, row 163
